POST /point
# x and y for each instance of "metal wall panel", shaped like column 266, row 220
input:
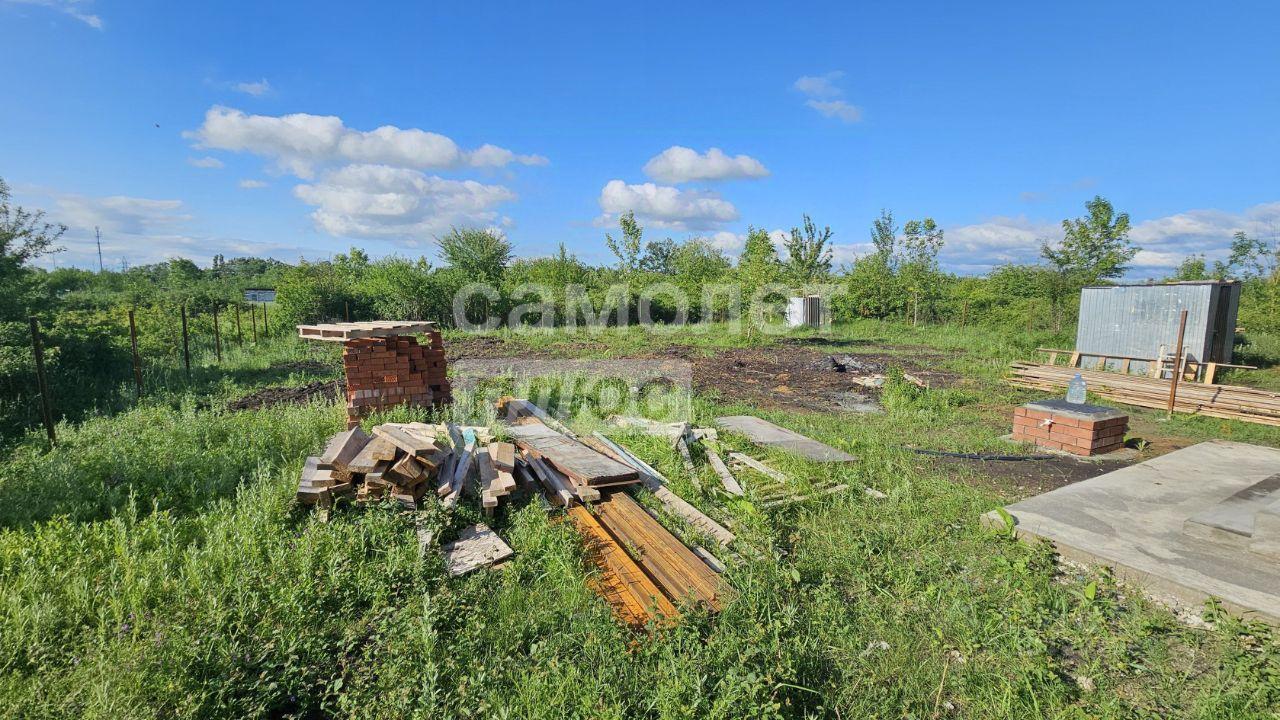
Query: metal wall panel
column 1136, row 320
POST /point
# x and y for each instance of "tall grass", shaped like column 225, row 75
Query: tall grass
column 155, row 565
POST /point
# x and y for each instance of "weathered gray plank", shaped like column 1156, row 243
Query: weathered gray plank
column 763, row 432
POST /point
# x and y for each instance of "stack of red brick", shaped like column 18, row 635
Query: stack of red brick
column 383, row 372
column 1078, row 429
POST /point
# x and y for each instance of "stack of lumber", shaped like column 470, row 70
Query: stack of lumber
column 568, row 469
column 396, row 462
column 385, row 365
column 1222, row 401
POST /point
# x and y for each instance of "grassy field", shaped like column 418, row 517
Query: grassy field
column 154, row 564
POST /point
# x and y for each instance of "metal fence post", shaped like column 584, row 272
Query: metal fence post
column 239, row 333
column 42, row 383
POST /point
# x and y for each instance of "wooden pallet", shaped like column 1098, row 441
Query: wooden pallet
column 341, row 332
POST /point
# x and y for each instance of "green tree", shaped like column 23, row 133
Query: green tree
column 918, row 270
column 24, row 236
column 657, row 256
column 1192, row 267
column 627, row 248
column 1095, row 247
column 482, row 255
column 808, row 256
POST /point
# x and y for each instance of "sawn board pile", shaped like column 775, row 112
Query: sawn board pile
column 1223, row 401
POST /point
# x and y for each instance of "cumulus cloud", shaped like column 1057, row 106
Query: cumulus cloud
column 300, row 143
column 838, row 109
column 1163, row 242
column 826, row 97
column 205, row 162
column 380, row 201
column 665, row 206
column 820, row 85
column 250, row 184
column 135, row 230
column 679, row 164
column 256, row 89
column 70, row 8
column 730, row 243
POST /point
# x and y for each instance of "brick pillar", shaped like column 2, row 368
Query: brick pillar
column 1078, row 429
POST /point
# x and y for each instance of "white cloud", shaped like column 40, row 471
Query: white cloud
column 256, row 89
column 134, row 229
column 727, row 242
column 823, row 96
column 838, row 109
column 71, row 8
column 679, row 164
column 300, row 142
column 665, row 207
column 250, row 184
column 820, row 85
column 205, row 162
column 398, row 203
column 1163, row 242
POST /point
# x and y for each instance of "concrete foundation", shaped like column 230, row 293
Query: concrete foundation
column 1133, row 520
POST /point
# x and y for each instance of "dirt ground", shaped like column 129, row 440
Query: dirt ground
column 1016, row 480
column 801, row 378
column 289, row 395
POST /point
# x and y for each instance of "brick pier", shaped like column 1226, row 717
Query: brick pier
column 1075, row 428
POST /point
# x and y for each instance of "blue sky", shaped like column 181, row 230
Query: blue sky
column 255, row 128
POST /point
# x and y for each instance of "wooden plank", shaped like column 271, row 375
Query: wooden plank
column 727, row 479
column 671, row 565
column 503, row 455
column 763, row 432
column 759, row 467
column 476, row 547
column 634, row 598
column 376, row 450
column 340, row 332
column 444, row 474
column 407, row 471
column 560, row 495
column 488, row 475
column 584, row 465
column 655, row 483
column 343, row 447
column 411, row 443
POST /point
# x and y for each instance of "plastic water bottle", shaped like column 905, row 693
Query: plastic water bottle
column 1075, row 390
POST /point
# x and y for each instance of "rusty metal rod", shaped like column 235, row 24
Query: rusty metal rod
column 1177, row 362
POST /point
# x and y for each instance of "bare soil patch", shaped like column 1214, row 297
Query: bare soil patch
column 289, row 395
column 1015, row 480
column 796, row 377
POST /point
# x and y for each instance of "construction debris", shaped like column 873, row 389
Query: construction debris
column 476, row 547
column 782, row 491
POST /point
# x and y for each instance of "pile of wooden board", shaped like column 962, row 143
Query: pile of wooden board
column 1223, row 401
column 406, row 462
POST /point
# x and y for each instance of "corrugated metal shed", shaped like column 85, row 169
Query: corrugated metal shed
column 1138, row 320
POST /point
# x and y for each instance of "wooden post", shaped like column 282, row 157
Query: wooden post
column 266, row 328
column 253, row 320
column 964, row 312
column 346, row 310
column 137, row 361
column 1177, row 362
column 42, row 383
column 217, row 334
column 186, row 346
column 239, row 333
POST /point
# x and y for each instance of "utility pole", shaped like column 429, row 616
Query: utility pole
column 97, row 234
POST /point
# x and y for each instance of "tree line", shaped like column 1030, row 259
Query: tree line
column 85, row 313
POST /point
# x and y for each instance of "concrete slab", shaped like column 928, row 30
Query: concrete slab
column 763, row 432
column 1124, row 454
column 1132, row 520
column 1083, row 411
column 1231, row 520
